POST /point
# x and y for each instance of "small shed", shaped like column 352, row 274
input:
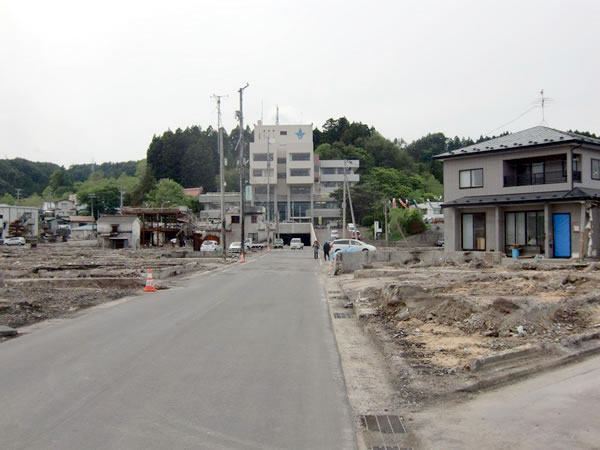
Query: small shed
column 119, row 231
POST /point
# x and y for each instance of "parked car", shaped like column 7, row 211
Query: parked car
column 210, row 246
column 278, row 243
column 334, row 234
column 247, row 243
column 235, row 247
column 356, row 234
column 341, row 244
column 440, row 242
column 14, row 241
column 258, row 245
column 296, row 244
column 351, row 227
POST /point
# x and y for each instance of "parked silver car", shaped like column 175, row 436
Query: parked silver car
column 340, row 244
column 235, row 247
column 14, row 241
column 210, row 246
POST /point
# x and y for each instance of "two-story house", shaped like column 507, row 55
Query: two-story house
column 537, row 190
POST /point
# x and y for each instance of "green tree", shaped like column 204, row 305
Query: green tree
column 7, row 199
column 167, row 192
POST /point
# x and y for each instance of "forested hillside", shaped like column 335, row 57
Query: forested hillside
column 189, row 158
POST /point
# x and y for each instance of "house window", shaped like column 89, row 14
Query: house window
column 473, row 231
column 300, row 156
column 328, row 170
column 524, row 228
column 576, row 168
column 299, row 190
column 254, row 219
column 235, row 219
column 595, row 169
column 114, row 228
column 257, row 172
column 283, row 133
column 281, row 160
column 262, row 156
column 299, row 172
column 472, row 178
column 281, row 175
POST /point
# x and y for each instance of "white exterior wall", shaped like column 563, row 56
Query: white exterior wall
column 10, row 213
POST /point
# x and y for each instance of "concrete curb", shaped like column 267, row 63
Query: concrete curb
column 487, row 361
column 533, row 370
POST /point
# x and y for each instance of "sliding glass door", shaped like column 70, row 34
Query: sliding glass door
column 473, row 231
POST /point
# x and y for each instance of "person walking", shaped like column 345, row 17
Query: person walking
column 316, row 249
column 326, row 248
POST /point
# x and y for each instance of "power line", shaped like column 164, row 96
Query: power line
column 514, row 120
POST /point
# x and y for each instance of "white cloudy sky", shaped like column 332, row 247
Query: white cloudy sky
column 83, row 80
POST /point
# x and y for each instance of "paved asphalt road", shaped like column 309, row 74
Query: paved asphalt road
column 240, row 359
column 555, row 410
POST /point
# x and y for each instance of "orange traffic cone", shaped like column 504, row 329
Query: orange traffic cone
column 149, row 282
column 242, row 258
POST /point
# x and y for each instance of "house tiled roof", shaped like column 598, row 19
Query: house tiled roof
column 529, row 197
column 532, row 137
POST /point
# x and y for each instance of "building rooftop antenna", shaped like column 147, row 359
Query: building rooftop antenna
column 542, row 101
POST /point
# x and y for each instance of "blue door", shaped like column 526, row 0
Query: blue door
column 562, row 235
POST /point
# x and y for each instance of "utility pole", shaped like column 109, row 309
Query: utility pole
column 349, row 195
column 221, row 173
column 241, row 145
column 344, row 210
column 92, row 197
column 18, row 195
column 121, row 190
column 385, row 217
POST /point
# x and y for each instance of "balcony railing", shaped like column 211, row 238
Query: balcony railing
column 529, row 179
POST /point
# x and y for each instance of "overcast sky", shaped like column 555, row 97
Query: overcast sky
column 84, row 81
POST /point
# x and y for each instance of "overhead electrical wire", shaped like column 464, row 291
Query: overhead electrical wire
column 514, row 120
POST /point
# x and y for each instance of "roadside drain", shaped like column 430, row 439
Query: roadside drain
column 383, row 424
column 342, row 315
column 384, row 432
column 391, row 448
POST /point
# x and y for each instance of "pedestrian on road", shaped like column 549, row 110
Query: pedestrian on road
column 316, row 249
column 326, row 248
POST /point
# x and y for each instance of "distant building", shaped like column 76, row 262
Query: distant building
column 432, row 211
column 160, row 225
column 193, row 192
column 118, row 232
column 27, row 217
column 282, row 157
column 65, row 208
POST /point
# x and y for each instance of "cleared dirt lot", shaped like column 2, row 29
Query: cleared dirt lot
column 55, row 280
column 432, row 323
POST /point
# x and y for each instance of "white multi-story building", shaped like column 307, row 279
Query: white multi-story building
column 282, row 157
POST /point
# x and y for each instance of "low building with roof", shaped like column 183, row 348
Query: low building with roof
column 536, row 191
column 118, row 232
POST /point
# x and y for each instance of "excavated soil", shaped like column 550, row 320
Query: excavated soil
column 431, row 322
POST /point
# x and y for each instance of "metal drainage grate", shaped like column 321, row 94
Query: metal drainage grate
column 383, row 424
column 342, row 315
column 387, row 447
